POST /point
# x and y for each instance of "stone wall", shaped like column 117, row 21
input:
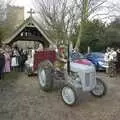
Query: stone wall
column 15, row 16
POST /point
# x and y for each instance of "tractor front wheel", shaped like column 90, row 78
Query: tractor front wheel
column 69, row 94
column 100, row 88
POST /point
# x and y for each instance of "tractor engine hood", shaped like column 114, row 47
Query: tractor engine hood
column 82, row 65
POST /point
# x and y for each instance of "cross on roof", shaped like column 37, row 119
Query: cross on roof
column 31, row 12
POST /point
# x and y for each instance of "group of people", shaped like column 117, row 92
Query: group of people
column 11, row 58
column 112, row 59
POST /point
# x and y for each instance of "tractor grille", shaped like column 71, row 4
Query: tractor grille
column 93, row 76
column 89, row 79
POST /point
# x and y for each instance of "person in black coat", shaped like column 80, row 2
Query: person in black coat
column 2, row 62
column 22, row 59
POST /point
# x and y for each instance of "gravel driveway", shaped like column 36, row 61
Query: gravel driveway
column 22, row 99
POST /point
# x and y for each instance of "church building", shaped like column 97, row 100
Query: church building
column 29, row 34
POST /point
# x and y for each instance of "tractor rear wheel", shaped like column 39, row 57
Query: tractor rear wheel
column 45, row 75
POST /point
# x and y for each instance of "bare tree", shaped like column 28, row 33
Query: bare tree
column 114, row 10
column 3, row 5
column 61, row 16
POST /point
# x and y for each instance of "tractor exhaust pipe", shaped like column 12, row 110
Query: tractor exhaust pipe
column 68, row 60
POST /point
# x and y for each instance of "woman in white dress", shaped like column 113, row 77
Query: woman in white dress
column 14, row 61
column 107, row 59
